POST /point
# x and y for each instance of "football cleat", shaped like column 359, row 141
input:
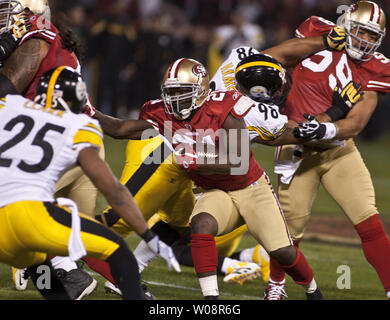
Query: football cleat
column 109, row 287
column 242, row 271
column 18, row 277
column 316, row 295
column 77, row 282
column 275, row 290
column 261, row 257
column 112, row 288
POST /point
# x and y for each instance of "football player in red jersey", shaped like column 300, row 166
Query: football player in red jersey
column 339, row 169
column 44, row 47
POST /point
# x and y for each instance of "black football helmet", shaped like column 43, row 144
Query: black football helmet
column 261, row 78
column 62, row 88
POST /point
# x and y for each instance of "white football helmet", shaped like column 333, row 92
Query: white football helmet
column 185, row 87
column 364, row 16
column 9, row 9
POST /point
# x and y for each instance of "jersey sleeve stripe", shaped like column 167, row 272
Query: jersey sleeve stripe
column 83, row 136
column 41, row 32
column 91, row 125
column 262, row 135
column 298, row 34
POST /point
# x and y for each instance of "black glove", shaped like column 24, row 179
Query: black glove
column 314, row 129
column 343, row 100
column 335, row 39
column 10, row 40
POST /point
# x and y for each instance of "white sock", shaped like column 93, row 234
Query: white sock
column 63, row 263
column 209, row 285
column 283, row 282
column 311, row 287
column 247, row 254
column 227, row 262
column 144, row 255
column 388, row 295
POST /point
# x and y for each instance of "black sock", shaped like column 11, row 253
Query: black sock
column 124, row 269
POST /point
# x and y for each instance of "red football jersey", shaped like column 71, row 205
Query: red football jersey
column 210, row 116
column 56, row 56
column 314, row 78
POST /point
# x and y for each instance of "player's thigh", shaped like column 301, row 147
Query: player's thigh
column 46, row 227
column 348, row 181
column 297, row 197
column 259, row 207
column 178, row 208
column 228, row 243
column 219, row 204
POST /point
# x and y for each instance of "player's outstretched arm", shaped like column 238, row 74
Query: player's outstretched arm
column 290, row 52
column 123, row 203
column 121, row 128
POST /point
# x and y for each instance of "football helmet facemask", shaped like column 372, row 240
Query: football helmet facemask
column 261, row 78
column 364, row 17
column 9, row 9
column 62, row 88
column 185, row 87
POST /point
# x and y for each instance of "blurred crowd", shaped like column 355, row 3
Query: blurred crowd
column 129, row 43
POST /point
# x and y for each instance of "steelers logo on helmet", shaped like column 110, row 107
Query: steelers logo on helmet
column 81, row 90
column 260, row 77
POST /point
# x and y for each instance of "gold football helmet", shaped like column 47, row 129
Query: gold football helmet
column 364, row 17
column 185, row 87
column 11, row 8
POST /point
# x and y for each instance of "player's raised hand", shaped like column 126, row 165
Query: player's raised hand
column 335, row 39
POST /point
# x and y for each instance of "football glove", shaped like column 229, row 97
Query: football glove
column 343, row 100
column 89, row 109
column 314, row 129
column 161, row 249
column 335, row 39
column 10, row 40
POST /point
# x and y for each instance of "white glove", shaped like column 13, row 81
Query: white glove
column 164, row 251
column 314, row 129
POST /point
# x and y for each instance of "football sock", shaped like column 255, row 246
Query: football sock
column 124, row 270
column 209, row 286
column 300, row 270
column 204, row 253
column 53, row 290
column 277, row 272
column 376, row 247
column 63, row 263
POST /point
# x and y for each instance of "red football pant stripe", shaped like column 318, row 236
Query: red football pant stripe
column 204, row 253
column 101, row 267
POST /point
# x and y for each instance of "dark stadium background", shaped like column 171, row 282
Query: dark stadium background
column 129, row 43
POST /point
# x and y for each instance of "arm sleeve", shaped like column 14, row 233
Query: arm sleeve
column 314, row 27
column 90, row 135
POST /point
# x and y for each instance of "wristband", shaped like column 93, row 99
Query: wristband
column 330, row 132
column 337, row 112
column 148, row 235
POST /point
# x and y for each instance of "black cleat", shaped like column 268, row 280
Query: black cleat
column 316, row 295
column 211, row 297
column 148, row 294
column 77, row 282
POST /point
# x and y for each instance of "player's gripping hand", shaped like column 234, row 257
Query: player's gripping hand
column 312, row 129
column 335, row 39
column 343, row 100
column 10, row 40
column 161, row 249
column 89, row 109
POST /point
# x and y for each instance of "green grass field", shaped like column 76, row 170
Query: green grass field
column 325, row 259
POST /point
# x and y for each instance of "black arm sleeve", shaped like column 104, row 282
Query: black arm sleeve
column 6, row 86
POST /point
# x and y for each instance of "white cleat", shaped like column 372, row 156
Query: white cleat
column 275, row 290
column 112, row 288
column 18, row 279
column 242, row 271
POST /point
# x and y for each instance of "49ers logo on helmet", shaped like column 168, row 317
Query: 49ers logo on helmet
column 199, row 71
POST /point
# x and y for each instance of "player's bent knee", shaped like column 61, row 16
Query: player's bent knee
column 285, row 256
column 204, row 223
